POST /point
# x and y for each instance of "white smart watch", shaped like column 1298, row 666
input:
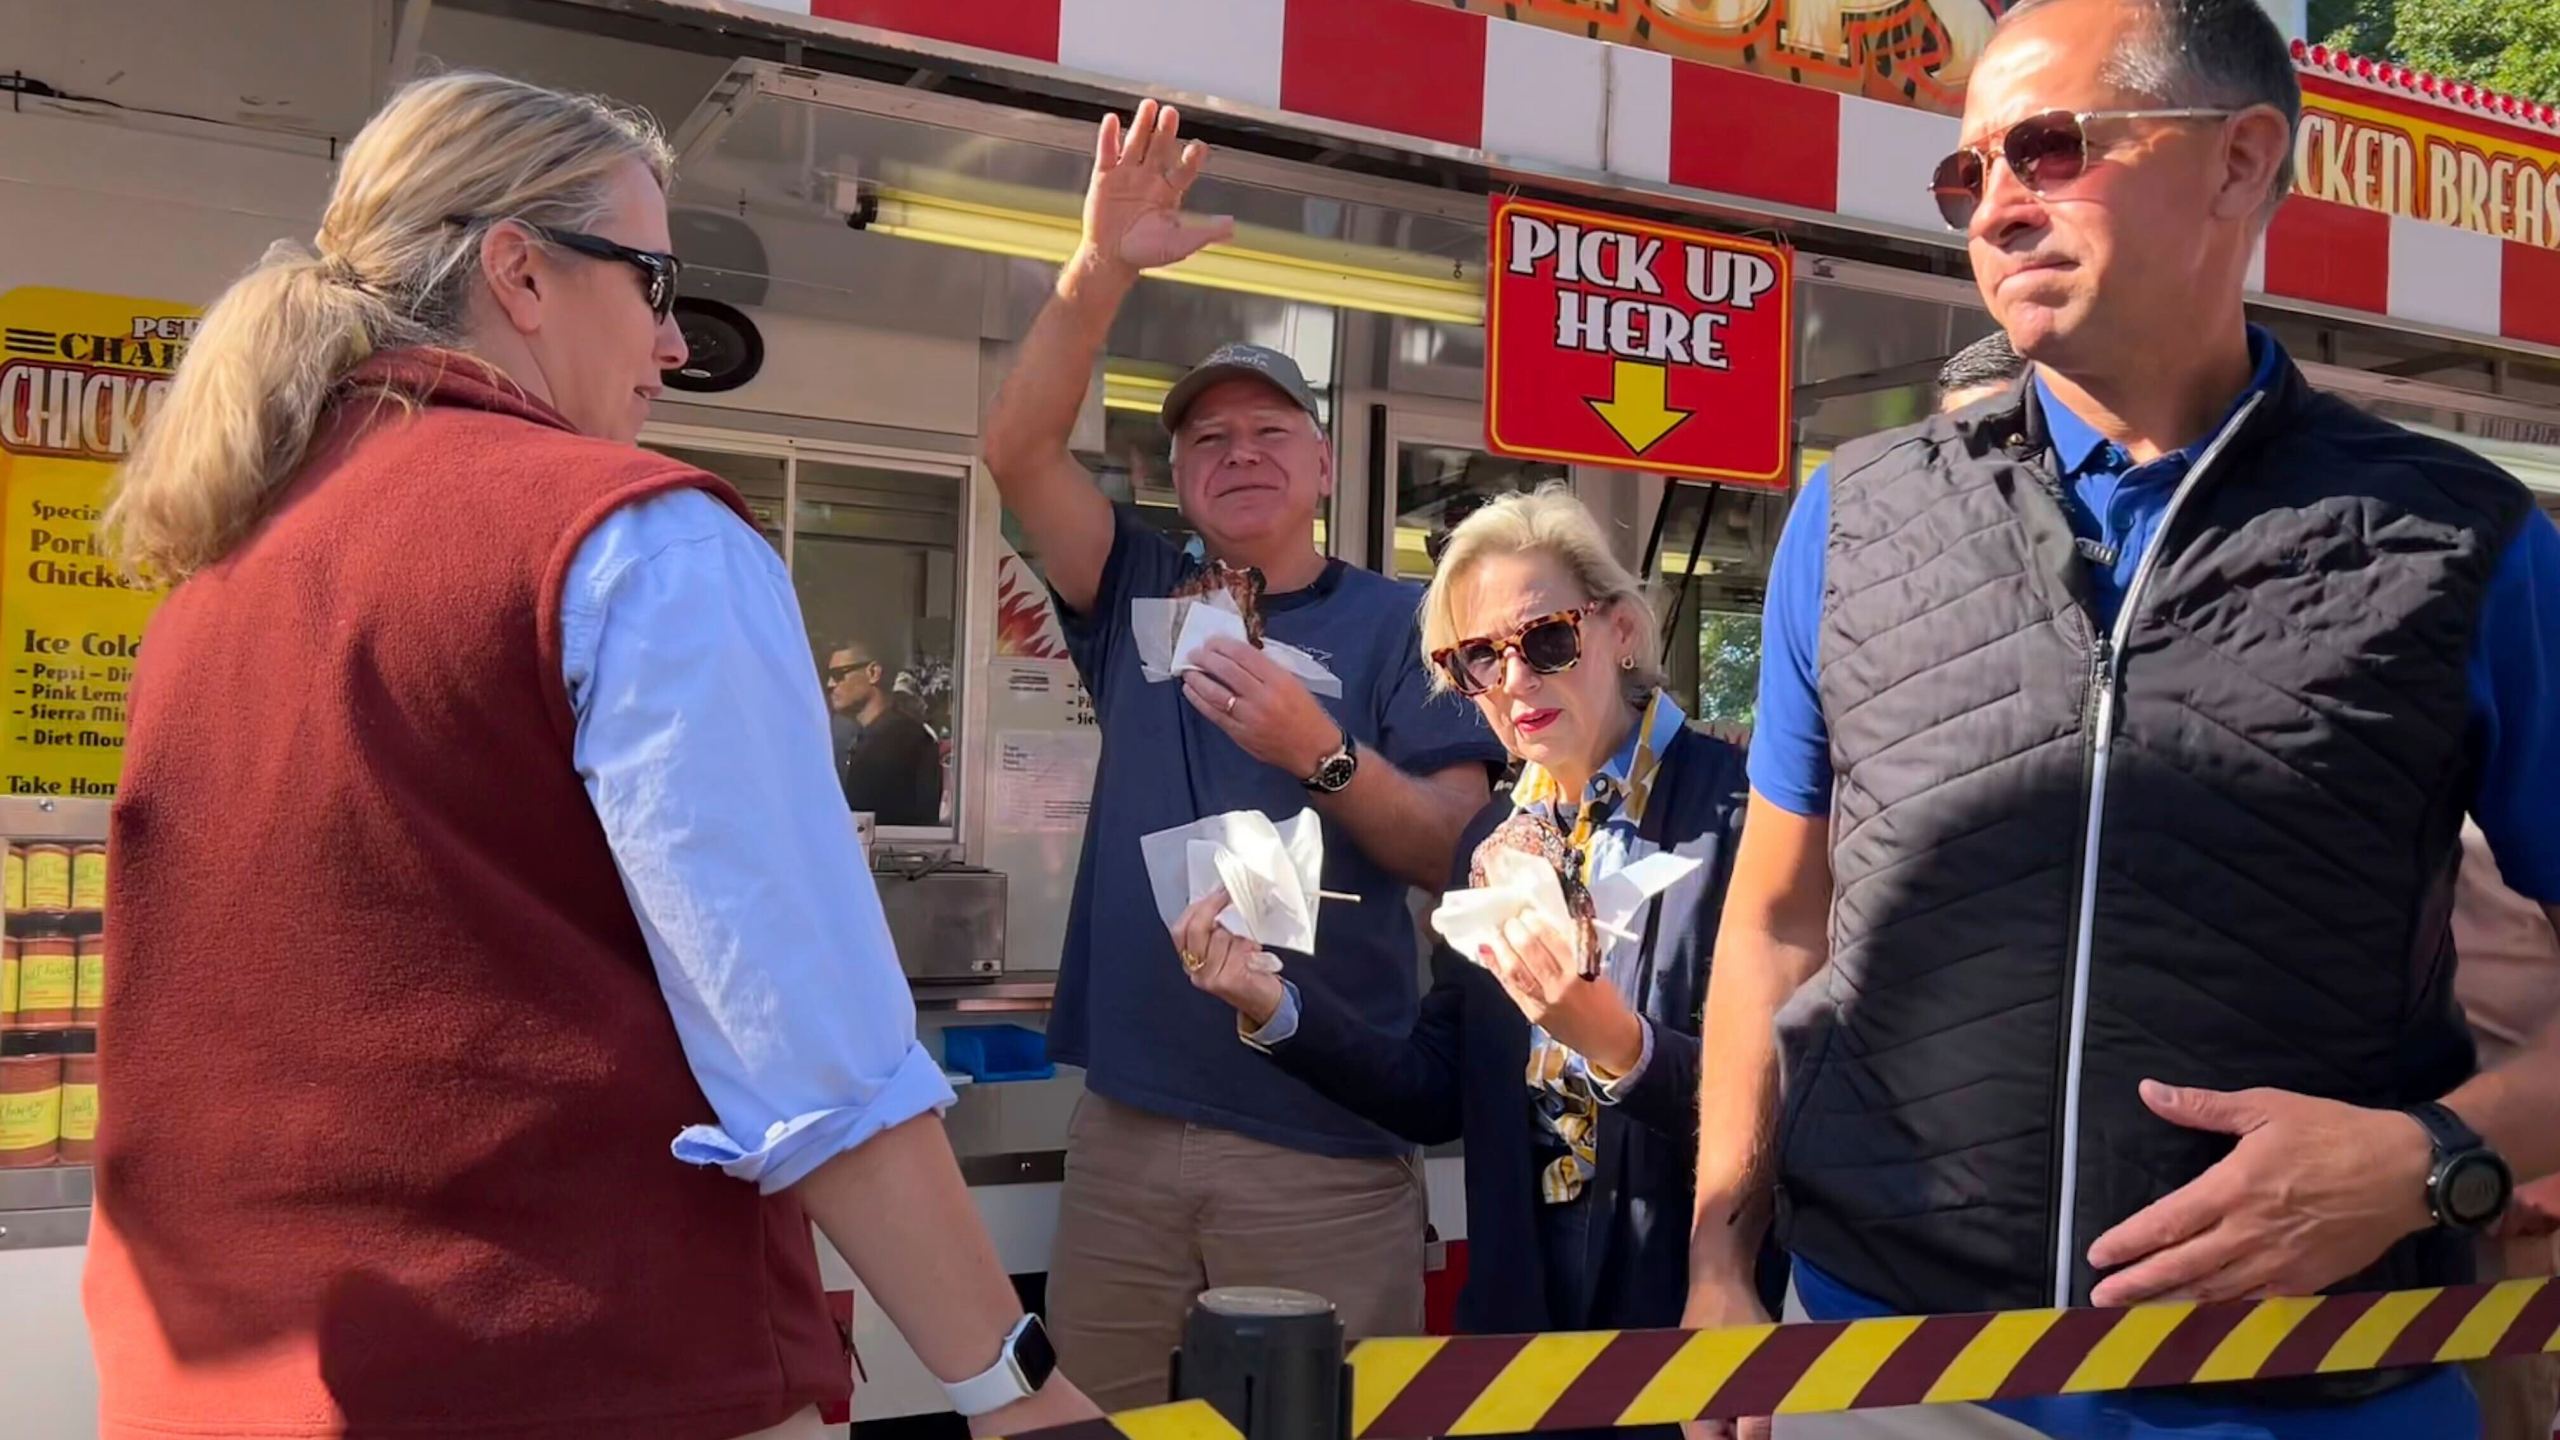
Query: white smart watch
column 1023, row 1366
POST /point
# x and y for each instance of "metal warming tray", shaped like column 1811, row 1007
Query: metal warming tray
column 947, row 920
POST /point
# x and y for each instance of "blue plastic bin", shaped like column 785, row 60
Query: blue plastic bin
column 993, row 1054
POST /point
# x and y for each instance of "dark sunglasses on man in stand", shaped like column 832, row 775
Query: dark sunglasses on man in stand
column 2045, row 152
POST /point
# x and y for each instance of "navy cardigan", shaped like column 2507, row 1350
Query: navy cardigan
column 1461, row 1072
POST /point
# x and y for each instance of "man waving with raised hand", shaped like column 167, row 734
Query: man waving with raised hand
column 1193, row 1162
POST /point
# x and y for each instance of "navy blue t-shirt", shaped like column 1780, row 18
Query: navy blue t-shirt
column 1125, row 1010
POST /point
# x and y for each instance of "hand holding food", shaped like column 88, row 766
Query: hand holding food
column 1266, row 710
column 1535, row 961
column 1533, row 834
column 1227, row 965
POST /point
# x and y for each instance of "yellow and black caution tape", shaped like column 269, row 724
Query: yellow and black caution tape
column 1505, row 1384
column 1182, row 1420
column 1409, row 1389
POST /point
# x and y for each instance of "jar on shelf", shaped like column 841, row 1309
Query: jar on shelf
column 89, row 983
column 89, row 878
column 48, row 981
column 8, row 984
column 30, row 1099
column 13, row 879
column 48, row 877
column 79, row 1097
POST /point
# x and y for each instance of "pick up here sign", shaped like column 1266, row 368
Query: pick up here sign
column 1627, row 343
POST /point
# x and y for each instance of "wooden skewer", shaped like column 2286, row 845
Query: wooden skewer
column 1591, row 963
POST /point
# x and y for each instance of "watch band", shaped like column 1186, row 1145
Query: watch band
column 999, row 1384
column 2445, row 1130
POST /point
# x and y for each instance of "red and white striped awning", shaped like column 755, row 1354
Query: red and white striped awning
column 2459, row 96
column 1532, row 100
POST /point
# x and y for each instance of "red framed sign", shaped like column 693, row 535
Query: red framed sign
column 1627, row 343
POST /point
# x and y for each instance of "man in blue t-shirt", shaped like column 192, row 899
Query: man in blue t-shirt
column 1191, row 1162
column 2112, row 742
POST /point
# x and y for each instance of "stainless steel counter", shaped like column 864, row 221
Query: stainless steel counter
column 44, row 1208
column 985, row 997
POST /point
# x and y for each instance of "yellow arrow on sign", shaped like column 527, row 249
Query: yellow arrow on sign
column 1637, row 410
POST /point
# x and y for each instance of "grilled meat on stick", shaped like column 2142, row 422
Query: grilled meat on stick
column 1243, row 584
column 1533, row 834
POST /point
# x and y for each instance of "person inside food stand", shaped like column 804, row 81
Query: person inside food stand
column 894, row 769
column 1576, row 1097
column 1987, row 367
column 2087, row 943
column 476, row 840
column 1191, row 1161
column 841, row 673
column 2508, row 980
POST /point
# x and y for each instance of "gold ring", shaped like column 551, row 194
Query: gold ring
column 1231, row 704
column 1192, row 962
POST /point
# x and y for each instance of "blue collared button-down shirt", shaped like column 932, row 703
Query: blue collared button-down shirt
column 702, row 737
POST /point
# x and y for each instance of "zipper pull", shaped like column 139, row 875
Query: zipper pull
column 2099, row 679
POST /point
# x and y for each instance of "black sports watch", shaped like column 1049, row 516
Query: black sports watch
column 1333, row 772
column 2467, row 1183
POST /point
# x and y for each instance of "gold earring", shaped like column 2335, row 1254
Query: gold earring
column 1626, row 662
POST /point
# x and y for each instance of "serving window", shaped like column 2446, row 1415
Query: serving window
column 873, row 542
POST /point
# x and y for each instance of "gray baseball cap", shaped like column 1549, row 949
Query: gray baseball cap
column 1229, row 361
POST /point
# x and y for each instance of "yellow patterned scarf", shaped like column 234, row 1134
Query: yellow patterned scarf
column 1603, row 833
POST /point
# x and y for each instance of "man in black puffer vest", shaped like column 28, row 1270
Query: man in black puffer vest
column 2114, row 738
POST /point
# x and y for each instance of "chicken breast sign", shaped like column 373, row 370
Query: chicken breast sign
column 1647, row 347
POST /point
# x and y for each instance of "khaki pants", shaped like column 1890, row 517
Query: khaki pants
column 1156, row 1210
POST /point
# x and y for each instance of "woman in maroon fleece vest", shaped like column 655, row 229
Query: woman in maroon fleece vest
column 392, row 1066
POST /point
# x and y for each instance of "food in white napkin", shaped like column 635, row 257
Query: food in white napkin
column 1270, row 873
column 1170, row 633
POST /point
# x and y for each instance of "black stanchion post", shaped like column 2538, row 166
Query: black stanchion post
column 1268, row 1360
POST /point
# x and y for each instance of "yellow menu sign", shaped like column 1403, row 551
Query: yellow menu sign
column 79, row 374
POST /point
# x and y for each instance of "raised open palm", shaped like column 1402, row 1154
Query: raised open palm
column 1133, row 209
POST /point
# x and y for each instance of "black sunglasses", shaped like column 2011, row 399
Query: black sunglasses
column 1549, row 645
column 659, row 271
column 838, row 672
column 2044, row 151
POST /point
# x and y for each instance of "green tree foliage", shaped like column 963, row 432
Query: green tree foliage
column 2509, row 45
column 2359, row 27
column 1728, row 668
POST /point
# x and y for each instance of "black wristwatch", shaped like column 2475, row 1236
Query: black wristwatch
column 1333, row 772
column 2467, row 1183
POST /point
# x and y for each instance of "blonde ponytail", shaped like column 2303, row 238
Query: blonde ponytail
column 236, row 419
column 387, row 271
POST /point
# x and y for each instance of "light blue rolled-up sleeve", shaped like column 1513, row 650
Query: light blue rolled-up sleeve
column 702, row 738
column 1280, row 1029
